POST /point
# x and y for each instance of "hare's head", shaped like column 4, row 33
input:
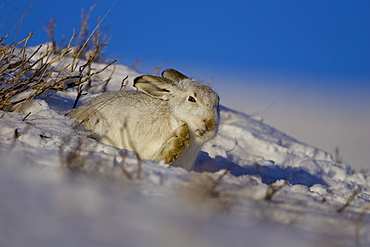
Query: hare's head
column 190, row 102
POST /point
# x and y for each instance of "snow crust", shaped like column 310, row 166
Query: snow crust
column 221, row 203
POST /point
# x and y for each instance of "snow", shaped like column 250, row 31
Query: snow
column 59, row 187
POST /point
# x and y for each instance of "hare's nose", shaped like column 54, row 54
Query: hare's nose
column 201, row 132
column 210, row 124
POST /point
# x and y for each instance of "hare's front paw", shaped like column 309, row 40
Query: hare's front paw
column 173, row 146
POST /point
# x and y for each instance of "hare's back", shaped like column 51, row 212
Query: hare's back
column 119, row 99
column 122, row 103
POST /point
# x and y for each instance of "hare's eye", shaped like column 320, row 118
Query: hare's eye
column 191, row 99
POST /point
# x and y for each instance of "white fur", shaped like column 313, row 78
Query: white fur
column 144, row 121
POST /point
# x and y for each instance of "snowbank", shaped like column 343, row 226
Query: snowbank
column 253, row 186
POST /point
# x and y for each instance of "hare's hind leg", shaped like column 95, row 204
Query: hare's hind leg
column 174, row 145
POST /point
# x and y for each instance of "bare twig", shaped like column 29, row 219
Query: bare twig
column 338, row 159
column 105, row 82
column 96, row 28
column 79, row 94
column 16, row 134
column 124, row 84
column 266, row 110
column 218, row 180
column 350, row 199
column 25, row 118
column 158, row 68
column 124, row 170
column 50, row 32
column 205, row 190
column 209, row 82
column 235, row 145
column 272, row 189
column 139, row 168
column 122, row 165
column 24, row 77
column 20, row 20
column 136, row 64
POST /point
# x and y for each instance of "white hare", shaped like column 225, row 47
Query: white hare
column 170, row 119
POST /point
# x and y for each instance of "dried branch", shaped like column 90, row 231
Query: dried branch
column 25, row 118
column 139, row 168
column 79, row 94
column 217, row 181
column 235, row 145
column 272, row 189
column 122, row 165
column 50, row 32
column 124, row 84
column 158, row 68
column 350, row 199
column 25, row 75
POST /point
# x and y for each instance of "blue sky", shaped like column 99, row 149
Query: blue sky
column 329, row 38
column 308, row 59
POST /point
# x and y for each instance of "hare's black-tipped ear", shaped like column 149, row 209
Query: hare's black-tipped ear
column 154, row 86
column 173, row 75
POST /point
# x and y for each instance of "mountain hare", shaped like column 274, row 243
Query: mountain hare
column 169, row 119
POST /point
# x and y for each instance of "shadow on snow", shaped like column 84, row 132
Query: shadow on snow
column 268, row 173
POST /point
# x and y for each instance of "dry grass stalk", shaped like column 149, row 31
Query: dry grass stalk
column 358, row 221
column 23, row 77
column 124, row 170
column 233, row 148
column 364, row 171
column 350, row 199
column 262, row 117
column 25, row 118
column 158, row 68
column 218, row 180
column 79, row 158
column 338, row 159
column 19, row 22
column 79, row 94
column 122, row 165
column 124, row 84
column 73, row 159
column 82, row 39
column 16, row 134
column 95, row 40
column 139, row 168
column 273, row 186
column 272, row 189
column 205, row 190
column 136, row 64
column 50, row 32
column 87, row 113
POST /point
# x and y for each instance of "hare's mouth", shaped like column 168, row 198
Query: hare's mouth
column 201, row 132
column 208, row 129
column 204, row 133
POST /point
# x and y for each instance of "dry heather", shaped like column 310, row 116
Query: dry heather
column 25, row 74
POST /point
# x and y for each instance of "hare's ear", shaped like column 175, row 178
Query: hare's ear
column 173, row 75
column 157, row 87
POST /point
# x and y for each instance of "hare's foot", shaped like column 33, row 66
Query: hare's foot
column 173, row 146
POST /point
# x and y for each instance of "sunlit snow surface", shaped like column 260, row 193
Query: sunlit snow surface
column 44, row 203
